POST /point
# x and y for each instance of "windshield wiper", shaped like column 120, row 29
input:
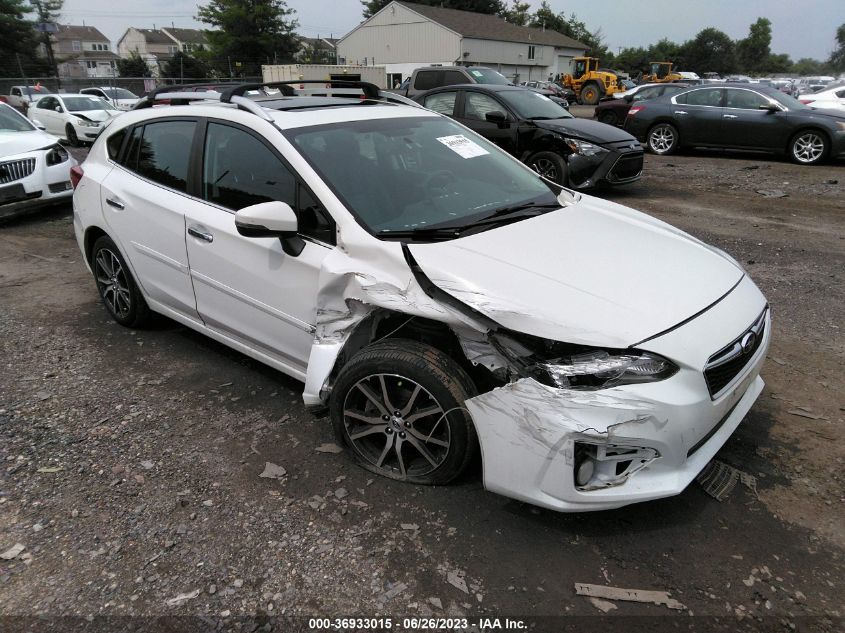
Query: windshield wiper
column 435, row 232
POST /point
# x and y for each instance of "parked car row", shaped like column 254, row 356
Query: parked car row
column 439, row 296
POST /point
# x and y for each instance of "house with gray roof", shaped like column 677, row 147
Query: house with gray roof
column 404, row 36
column 81, row 51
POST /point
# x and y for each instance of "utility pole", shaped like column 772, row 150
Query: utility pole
column 181, row 69
column 229, row 58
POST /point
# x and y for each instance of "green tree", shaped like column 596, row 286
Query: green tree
column 633, row 60
column 371, row 7
column 249, row 33
column 182, row 65
column 837, row 57
column 545, row 17
column 778, row 64
column 18, row 41
column 753, row 51
column 518, row 13
column 808, row 66
column 710, row 51
column 133, row 66
column 46, row 12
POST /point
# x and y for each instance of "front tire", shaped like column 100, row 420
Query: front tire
column 116, row 286
column 590, row 94
column 609, row 118
column 808, row 147
column 72, row 138
column 398, row 405
column 663, row 139
column 549, row 165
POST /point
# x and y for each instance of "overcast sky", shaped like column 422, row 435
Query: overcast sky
column 801, row 28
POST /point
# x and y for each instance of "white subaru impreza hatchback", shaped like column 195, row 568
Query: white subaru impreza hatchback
column 438, row 295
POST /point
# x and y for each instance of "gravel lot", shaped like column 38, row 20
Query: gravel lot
column 131, row 460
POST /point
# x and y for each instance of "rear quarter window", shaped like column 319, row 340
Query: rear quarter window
column 114, row 143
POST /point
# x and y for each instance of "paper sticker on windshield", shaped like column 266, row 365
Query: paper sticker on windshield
column 476, row 73
column 462, row 146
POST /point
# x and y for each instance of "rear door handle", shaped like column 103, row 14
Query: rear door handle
column 198, row 233
column 680, row 112
column 729, row 116
column 117, row 204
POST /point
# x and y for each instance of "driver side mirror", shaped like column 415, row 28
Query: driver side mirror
column 271, row 219
column 771, row 107
column 58, row 108
column 496, row 116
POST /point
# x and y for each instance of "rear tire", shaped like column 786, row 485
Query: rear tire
column 663, row 139
column 550, row 165
column 398, row 406
column 609, row 118
column 590, row 94
column 116, row 286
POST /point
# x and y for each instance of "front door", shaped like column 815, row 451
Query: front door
column 476, row 105
column 246, row 288
column 745, row 125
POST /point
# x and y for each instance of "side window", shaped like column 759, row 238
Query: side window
column 645, row 93
column 453, row 78
column 442, row 102
column 48, row 103
column 708, row 97
column 841, row 94
column 745, row 99
column 239, row 170
column 16, row 92
column 477, row 105
column 164, row 152
column 114, row 143
column 426, row 79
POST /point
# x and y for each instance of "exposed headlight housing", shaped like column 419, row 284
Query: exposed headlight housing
column 601, row 369
column 84, row 123
column 56, row 154
column 583, row 147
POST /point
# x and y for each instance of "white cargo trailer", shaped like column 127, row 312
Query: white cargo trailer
column 292, row 72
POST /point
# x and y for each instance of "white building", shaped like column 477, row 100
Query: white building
column 404, row 36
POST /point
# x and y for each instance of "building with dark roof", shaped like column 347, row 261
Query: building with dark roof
column 403, row 36
column 82, row 51
column 158, row 46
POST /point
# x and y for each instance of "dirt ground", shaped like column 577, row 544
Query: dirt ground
column 131, row 459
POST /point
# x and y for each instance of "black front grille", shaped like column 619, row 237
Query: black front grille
column 726, row 364
column 13, row 170
column 627, row 167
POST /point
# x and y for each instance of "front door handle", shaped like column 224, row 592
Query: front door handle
column 680, row 112
column 198, row 233
column 117, row 204
column 729, row 116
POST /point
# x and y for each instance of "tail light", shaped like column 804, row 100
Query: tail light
column 635, row 109
column 76, row 174
column 805, row 101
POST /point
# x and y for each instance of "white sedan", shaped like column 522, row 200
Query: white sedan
column 78, row 118
column 120, row 98
column 34, row 168
column 832, row 98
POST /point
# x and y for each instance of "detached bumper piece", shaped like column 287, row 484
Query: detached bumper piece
column 627, row 168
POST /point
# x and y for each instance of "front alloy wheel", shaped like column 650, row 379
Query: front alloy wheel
column 549, row 165
column 808, row 148
column 398, row 405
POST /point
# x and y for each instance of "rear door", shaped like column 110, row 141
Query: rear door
column 249, row 289
column 745, row 125
column 698, row 116
column 144, row 200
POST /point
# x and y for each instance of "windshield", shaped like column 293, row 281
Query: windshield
column 11, row 121
column 118, row 93
column 784, row 99
column 533, row 105
column 417, row 173
column 84, row 104
column 487, row 76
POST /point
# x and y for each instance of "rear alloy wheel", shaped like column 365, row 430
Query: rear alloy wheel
column 399, row 407
column 549, row 165
column 590, row 94
column 808, row 148
column 663, row 139
column 72, row 138
column 117, row 288
column 609, row 117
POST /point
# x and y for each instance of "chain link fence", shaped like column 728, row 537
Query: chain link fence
column 136, row 85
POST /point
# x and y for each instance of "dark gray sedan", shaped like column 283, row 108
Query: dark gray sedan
column 738, row 116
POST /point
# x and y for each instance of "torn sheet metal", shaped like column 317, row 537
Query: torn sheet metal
column 628, row 595
column 353, row 287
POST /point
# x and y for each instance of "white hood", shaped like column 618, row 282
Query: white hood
column 594, row 273
column 14, row 143
column 95, row 115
